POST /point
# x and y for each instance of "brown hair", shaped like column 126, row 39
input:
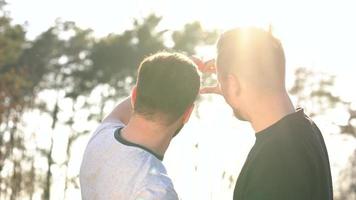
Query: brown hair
column 167, row 85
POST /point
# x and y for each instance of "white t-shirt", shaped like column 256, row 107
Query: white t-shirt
column 113, row 168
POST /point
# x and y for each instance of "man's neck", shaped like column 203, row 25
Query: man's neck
column 148, row 134
column 269, row 110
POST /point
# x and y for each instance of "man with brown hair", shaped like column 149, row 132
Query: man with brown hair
column 123, row 158
column 289, row 160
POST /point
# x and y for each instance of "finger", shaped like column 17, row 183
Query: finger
column 210, row 71
column 204, row 67
column 198, row 62
column 210, row 90
column 210, row 63
column 210, row 66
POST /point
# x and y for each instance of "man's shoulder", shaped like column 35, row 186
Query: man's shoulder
column 156, row 184
column 156, row 192
column 286, row 159
column 107, row 127
column 152, row 170
column 293, row 131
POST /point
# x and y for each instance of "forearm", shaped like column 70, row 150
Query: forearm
column 122, row 112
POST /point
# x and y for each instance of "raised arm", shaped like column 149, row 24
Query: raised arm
column 122, row 112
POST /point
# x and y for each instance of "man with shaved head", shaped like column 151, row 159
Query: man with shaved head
column 289, row 160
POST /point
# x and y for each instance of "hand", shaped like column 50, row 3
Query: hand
column 211, row 90
column 207, row 67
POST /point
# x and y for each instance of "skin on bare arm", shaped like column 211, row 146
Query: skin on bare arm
column 122, row 112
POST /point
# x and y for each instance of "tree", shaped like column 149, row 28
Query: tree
column 67, row 61
column 314, row 90
column 192, row 36
column 56, row 63
column 15, row 88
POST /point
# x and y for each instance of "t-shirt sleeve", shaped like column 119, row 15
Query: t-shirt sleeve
column 108, row 126
column 156, row 192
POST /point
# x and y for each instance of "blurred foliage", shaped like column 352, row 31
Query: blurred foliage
column 12, row 38
column 316, row 93
column 195, row 33
column 70, row 64
column 117, row 56
column 2, row 4
column 14, row 92
column 347, row 183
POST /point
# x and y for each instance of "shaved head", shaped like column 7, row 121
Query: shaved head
column 255, row 57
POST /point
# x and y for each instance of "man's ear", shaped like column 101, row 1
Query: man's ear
column 133, row 96
column 187, row 114
column 232, row 89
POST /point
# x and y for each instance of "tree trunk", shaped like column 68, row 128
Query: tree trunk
column 32, row 177
column 16, row 181
column 47, row 189
column 3, row 155
column 16, row 143
column 68, row 150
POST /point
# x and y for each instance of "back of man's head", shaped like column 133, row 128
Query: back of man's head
column 255, row 57
column 167, row 85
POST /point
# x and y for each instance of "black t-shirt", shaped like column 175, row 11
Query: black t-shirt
column 288, row 161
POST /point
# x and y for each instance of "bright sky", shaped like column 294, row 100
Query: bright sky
column 315, row 33
column 313, row 30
